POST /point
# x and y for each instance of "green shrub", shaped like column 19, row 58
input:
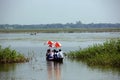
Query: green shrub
column 107, row 53
column 11, row 56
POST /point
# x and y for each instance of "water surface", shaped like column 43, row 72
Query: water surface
column 39, row 69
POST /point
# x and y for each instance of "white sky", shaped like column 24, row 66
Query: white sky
column 59, row 11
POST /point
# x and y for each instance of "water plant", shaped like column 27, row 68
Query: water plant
column 8, row 55
column 106, row 54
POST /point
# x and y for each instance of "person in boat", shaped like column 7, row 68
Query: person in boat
column 60, row 54
column 49, row 54
column 52, row 54
column 55, row 55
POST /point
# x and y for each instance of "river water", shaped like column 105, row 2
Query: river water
column 39, row 69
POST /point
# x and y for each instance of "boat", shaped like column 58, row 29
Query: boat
column 32, row 33
column 56, row 60
column 51, row 55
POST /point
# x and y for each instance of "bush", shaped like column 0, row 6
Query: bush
column 107, row 53
column 11, row 56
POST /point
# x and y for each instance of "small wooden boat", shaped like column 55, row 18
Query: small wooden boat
column 32, row 33
column 56, row 60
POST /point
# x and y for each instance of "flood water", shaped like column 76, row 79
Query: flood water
column 39, row 69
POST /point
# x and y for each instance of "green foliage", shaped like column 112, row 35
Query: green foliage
column 9, row 56
column 107, row 53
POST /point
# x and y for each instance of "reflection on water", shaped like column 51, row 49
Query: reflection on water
column 96, row 72
column 106, row 69
column 7, row 67
column 98, row 67
column 54, row 70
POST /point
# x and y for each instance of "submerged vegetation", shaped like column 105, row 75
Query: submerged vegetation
column 11, row 56
column 106, row 54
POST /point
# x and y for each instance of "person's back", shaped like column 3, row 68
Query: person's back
column 49, row 54
column 55, row 54
column 58, row 56
column 61, row 53
column 52, row 54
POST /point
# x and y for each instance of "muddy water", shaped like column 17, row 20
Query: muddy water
column 39, row 69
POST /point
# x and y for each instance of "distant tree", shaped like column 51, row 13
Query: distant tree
column 78, row 22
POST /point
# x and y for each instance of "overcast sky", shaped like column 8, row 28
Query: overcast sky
column 59, row 11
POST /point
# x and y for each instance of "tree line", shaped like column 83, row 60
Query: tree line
column 78, row 24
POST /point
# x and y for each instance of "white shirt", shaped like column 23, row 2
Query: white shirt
column 51, row 54
column 61, row 54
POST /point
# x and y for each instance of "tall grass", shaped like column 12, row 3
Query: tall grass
column 106, row 54
column 11, row 56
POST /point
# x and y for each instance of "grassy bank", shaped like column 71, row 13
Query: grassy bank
column 59, row 30
column 11, row 56
column 106, row 54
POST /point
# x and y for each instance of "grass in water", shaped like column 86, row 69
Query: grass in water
column 106, row 54
column 11, row 56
